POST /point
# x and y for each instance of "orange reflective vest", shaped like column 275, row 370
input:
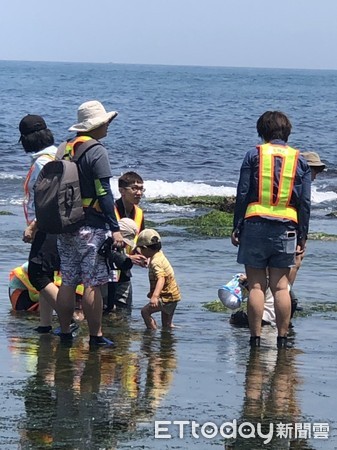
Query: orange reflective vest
column 20, row 273
column 267, row 205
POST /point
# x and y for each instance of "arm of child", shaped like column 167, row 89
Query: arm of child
column 157, row 291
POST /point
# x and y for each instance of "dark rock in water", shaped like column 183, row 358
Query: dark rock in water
column 331, row 214
column 228, row 204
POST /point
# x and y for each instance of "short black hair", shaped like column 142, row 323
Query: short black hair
column 129, row 178
column 273, row 125
column 39, row 140
column 155, row 247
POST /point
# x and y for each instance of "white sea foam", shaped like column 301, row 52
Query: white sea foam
column 10, row 176
column 160, row 188
column 320, row 197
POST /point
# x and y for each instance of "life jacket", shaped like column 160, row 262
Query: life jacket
column 20, row 274
column 70, row 151
column 266, row 206
column 19, row 283
column 138, row 217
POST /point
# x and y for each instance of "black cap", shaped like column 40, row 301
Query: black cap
column 31, row 123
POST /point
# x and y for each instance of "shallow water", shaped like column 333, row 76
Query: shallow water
column 185, row 130
column 55, row 397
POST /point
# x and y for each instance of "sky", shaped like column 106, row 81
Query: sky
column 235, row 33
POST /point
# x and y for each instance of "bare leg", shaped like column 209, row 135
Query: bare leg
column 65, row 306
column 147, row 310
column 166, row 320
column 47, row 301
column 92, row 304
column 46, row 312
column 278, row 282
column 257, row 281
column 293, row 270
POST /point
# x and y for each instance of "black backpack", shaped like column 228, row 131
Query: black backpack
column 57, row 193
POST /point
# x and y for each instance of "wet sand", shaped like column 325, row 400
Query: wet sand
column 203, row 371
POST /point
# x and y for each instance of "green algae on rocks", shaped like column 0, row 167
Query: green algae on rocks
column 308, row 309
column 214, row 217
column 205, row 201
column 212, row 224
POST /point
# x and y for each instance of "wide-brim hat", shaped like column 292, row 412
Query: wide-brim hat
column 314, row 160
column 92, row 115
column 129, row 231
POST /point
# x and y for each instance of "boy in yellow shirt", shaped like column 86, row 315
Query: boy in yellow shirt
column 164, row 291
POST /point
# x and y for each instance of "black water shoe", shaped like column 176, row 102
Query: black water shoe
column 282, row 342
column 73, row 327
column 254, row 341
column 101, row 341
column 43, row 330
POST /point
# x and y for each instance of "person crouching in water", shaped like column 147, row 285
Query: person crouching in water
column 164, row 291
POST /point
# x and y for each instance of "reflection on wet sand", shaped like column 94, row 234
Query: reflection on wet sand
column 81, row 399
column 161, row 365
column 270, row 398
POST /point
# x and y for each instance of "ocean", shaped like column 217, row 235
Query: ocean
column 185, row 130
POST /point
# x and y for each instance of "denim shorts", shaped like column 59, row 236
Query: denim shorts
column 267, row 244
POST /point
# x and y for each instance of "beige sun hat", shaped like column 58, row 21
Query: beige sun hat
column 91, row 115
column 314, row 160
column 129, row 231
column 148, row 237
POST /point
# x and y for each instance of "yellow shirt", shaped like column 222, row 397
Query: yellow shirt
column 160, row 267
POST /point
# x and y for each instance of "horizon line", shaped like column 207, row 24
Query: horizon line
column 164, row 65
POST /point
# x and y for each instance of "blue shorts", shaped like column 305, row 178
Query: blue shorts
column 267, row 244
column 80, row 262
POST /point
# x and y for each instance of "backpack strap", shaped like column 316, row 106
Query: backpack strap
column 80, row 150
column 60, row 151
column 84, row 147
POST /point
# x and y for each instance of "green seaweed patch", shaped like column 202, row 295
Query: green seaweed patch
column 308, row 309
column 205, row 201
column 322, row 236
column 6, row 213
column 150, row 224
column 218, row 222
column 215, row 306
column 218, row 307
column 212, row 224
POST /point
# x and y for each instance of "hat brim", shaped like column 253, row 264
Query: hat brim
column 92, row 124
column 129, row 242
column 317, row 166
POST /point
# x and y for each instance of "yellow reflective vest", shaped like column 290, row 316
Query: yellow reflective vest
column 138, row 219
column 267, row 205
